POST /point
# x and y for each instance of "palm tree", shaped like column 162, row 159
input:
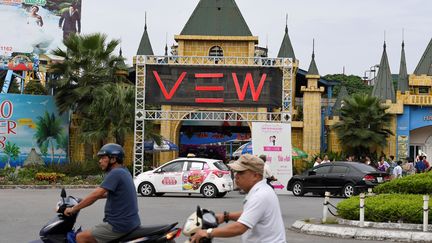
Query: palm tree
column 364, row 124
column 48, row 130
column 111, row 115
column 12, row 151
column 62, row 144
column 88, row 64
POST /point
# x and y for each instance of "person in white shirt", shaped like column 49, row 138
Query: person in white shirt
column 397, row 171
column 318, row 161
column 261, row 218
column 326, row 159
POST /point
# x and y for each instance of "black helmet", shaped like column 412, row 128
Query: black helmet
column 112, row 150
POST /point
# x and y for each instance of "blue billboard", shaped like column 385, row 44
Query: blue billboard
column 31, row 131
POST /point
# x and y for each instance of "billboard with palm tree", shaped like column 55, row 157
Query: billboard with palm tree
column 31, row 131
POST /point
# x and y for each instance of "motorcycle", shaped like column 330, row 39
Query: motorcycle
column 201, row 219
column 61, row 228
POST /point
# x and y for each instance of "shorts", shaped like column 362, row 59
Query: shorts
column 103, row 233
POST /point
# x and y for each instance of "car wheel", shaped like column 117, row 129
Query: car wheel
column 348, row 190
column 159, row 194
column 146, row 189
column 297, row 189
column 222, row 194
column 209, row 190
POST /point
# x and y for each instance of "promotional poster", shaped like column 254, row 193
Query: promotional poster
column 274, row 141
column 31, row 28
column 31, row 131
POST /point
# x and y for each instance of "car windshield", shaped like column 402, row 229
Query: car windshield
column 365, row 168
column 220, row 165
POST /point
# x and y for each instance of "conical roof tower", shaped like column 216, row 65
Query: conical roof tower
column 145, row 47
column 403, row 75
column 343, row 93
column 383, row 88
column 286, row 50
column 122, row 69
column 425, row 64
column 216, row 18
column 313, row 70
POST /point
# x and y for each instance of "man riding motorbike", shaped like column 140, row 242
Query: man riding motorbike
column 121, row 207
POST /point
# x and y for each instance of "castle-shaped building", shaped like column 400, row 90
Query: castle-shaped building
column 217, row 28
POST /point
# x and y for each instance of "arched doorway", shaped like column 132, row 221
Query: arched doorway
column 211, row 139
column 421, row 141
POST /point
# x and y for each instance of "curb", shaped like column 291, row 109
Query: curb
column 47, row 186
column 347, row 232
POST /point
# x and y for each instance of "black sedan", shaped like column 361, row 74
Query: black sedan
column 345, row 178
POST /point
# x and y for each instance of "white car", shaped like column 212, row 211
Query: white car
column 210, row 177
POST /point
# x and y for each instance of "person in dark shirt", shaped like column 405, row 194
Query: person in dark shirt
column 70, row 22
column 121, row 207
column 420, row 166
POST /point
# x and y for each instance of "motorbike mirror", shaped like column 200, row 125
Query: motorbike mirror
column 199, row 215
column 63, row 193
column 199, row 212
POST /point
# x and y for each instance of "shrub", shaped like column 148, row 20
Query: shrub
column 51, row 177
column 76, row 169
column 385, row 208
column 412, row 184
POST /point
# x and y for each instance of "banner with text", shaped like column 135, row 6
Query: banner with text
column 209, row 85
column 274, row 141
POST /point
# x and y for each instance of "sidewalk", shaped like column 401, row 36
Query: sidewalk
column 348, row 229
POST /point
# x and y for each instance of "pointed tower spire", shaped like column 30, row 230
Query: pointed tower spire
column 145, row 47
column 403, row 75
column 122, row 68
column 383, row 87
column 339, row 100
column 313, row 70
column 425, row 64
column 166, row 44
column 286, row 50
column 216, row 18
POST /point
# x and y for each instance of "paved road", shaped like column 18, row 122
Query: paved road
column 24, row 211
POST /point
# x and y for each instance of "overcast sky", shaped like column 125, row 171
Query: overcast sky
column 347, row 33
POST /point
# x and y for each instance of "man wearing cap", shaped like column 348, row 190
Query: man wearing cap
column 261, row 218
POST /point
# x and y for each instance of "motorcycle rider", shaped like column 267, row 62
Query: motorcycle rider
column 261, row 218
column 121, row 207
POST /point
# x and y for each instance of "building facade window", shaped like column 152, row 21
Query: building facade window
column 216, row 51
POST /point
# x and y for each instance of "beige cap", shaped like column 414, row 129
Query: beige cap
column 248, row 162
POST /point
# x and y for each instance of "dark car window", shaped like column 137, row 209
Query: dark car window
column 173, row 167
column 220, row 165
column 364, row 168
column 322, row 170
column 339, row 169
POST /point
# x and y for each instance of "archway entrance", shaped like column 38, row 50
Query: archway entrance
column 421, row 142
column 212, row 139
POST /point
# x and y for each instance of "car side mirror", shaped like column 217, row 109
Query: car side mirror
column 312, row 172
column 160, row 171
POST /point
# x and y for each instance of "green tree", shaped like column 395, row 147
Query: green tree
column 111, row 115
column 48, row 130
column 354, row 84
column 62, row 144
column 12, row 151
column 364, row 124
column 88, row 64
column 35, row 88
